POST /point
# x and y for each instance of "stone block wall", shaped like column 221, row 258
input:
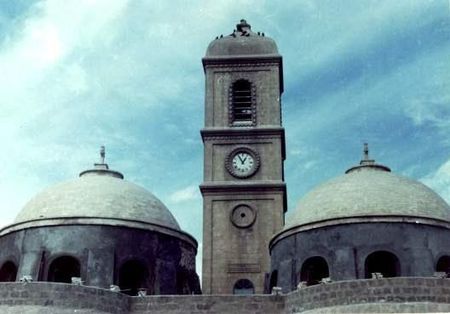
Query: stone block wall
column 394, row 291
column 46, row 297
column 407, row 294
column 208, row 304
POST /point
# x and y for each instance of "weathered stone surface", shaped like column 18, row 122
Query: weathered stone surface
column 399, row 295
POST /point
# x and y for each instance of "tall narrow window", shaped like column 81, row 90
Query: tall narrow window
column 313, row 270
column 242, row 109
column 273, row 280
column 382, row 262
column 8, row 272
column 63, row 269
column 443, row 265
column 243, row 286
column 133, row 276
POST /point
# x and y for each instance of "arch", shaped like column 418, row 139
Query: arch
column 243, row 286
column 443, row 264
column 313, row 270
column 63, row 268
column 8, row 272
column 273, row 280
column 383, row 262
column 133, row 276
column 242, row 109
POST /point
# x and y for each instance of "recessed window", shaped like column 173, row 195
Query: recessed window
column 382, row 262
column 443, row 265
column 314, row 269
column 8, row 272
column 273, row 280
column 133, row 277
column 63, row 268
column 242, row 104
column 243, row 286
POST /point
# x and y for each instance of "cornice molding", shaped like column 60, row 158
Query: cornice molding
column 209, row 134
column 233, row 187
column 357, row 220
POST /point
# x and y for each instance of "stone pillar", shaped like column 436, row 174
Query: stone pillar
column 29, row 265
column 100, row 268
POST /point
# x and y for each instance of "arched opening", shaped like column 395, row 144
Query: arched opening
column 133, row 276
column 273, row 280
column 8, row 272
column 443, row 265
column 241, row 103
column 382, row 262
column 63, row 268
column 243, row 286
column 314, row 269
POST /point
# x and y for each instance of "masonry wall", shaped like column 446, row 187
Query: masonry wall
column 346, row 247
column 44, row 297
column 411, row 295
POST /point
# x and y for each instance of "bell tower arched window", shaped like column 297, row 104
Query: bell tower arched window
column 242, row 111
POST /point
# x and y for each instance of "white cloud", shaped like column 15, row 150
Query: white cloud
column 439, row 181
column 188, row 193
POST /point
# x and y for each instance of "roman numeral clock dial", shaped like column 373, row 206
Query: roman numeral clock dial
column 242, row 162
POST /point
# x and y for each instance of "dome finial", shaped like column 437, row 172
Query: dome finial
column 102, row 154
column 366, row 160
column 102, row 167
column 243, row 26
column 366, row 151
column 367, row 163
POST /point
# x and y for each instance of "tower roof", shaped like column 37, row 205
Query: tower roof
column 242, row 42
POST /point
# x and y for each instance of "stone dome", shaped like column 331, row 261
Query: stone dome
column 369, row 190
column 242, row 42
column 98, row 196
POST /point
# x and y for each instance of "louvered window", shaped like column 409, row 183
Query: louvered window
column 242, row 111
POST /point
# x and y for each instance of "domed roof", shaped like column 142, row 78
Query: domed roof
column 369, row 190
column 99, row 194
column 242, row 42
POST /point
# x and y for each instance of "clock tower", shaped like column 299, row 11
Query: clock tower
column 244, row 194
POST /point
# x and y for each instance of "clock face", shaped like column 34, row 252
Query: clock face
column 242, row 162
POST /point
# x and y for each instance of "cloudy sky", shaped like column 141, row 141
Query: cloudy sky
column 77, row 74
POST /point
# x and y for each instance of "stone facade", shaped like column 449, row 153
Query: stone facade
column 102, row 251
column 345, row 248
column 236, row 250
column 413, row 295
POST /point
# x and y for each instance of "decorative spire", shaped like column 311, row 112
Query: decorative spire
column 366, row 162
column 102, row 154
column 366, row 151
column 243, row 26
column 102, row 168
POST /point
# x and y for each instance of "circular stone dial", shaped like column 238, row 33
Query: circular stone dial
column 243, row 216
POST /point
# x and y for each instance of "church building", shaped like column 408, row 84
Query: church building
column 367, row 241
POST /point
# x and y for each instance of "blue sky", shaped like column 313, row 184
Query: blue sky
column 77, row 74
